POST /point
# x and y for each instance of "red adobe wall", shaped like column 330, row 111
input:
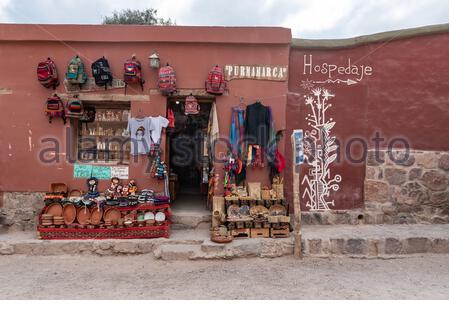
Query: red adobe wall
column 406, row 96
column 192, row 51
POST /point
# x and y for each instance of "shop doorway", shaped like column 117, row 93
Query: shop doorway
column 187, row 156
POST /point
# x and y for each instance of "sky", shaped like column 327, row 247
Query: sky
column 311, row 19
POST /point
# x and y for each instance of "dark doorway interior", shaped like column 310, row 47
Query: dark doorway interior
column 188, row 163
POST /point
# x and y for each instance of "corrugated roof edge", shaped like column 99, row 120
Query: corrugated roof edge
column 141, row 33
column 367, row 39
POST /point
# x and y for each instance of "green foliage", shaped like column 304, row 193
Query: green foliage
column 145, row 17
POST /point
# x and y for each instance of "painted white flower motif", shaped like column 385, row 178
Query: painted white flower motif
column 309, row 100
column 307, row 84
column 327, row 94
column 319, row 182
column 316, row 92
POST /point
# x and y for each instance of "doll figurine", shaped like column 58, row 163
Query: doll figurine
column 92, row 188
column 111, row 192
column 118, row 191
column 125, row 190
column 132, row 187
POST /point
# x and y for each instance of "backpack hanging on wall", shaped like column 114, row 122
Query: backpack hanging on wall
column 102, row 73
column 215, row 83
column 75, row 72
column 167, row 80
column 74, row 108
column 47, row 74
column 191, row 105
column 133, row 72
column 54, row 108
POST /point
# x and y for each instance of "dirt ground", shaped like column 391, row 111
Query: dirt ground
column 141, row 277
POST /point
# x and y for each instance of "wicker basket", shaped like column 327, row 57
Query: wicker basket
column 279, row 189
column 266, row 194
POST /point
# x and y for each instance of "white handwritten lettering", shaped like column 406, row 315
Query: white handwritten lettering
column 331, row 70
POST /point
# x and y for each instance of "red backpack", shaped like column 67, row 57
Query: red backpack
column 167, row 80
column 74, row 108
column 191, row 105
column 133, row 72
column 55, row 108
column 47, row 74
column 215, row 83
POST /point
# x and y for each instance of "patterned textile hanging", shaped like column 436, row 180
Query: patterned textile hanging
column 236, row 155
column 158, row 168
column 237, row 132
column 272, row 143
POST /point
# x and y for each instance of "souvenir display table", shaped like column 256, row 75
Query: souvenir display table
column 121, row 212
column 115, row 228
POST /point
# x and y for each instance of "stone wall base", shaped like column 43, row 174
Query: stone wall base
column 20, row 209
column 412, row 191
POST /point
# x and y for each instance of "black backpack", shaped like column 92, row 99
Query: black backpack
column 102, row 73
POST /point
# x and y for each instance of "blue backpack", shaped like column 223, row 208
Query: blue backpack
column 75, row 72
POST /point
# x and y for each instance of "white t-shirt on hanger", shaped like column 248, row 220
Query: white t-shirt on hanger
column 139, row 131
column 156, row 125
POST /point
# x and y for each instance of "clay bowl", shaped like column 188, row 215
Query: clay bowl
column 69, row 213
column 95, row 217
column 83, row 215
column 54, row 209
column 112, row 215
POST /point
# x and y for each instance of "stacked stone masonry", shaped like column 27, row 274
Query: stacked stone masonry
column 20, row 209
column 408, row 187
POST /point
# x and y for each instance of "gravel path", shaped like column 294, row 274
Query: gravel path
column 141, row 277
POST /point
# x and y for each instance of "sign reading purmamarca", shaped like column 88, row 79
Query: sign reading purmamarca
column 256, row 72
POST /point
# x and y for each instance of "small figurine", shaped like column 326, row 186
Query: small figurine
column 118, row 191
column 111, row 193
column 125, row 190
column 92, row 187
column 132, row 187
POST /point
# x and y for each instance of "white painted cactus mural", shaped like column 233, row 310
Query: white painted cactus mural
column 320, row 151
